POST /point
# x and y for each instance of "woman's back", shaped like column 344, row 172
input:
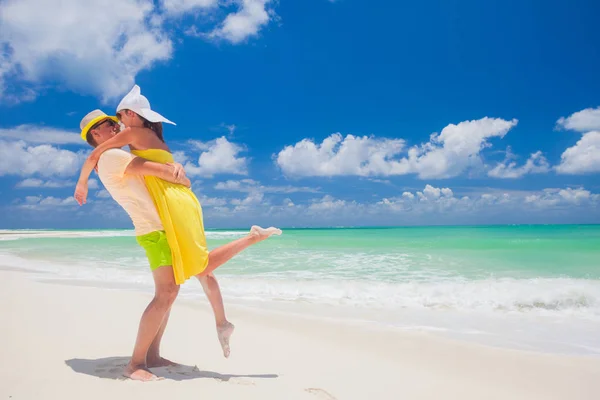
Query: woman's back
column 146, row 139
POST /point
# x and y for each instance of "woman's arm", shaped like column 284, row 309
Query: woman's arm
column 122, row 139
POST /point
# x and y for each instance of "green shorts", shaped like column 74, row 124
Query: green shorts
column 157, row 248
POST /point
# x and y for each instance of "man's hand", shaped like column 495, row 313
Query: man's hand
column 178, row 171
column 170, row 172
column 81, row 191
column 179, row 174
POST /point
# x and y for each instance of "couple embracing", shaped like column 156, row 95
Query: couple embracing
column 167, row 217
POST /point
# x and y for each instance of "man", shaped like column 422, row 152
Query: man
column 122, row 174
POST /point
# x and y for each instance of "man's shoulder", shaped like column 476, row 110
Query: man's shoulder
column 116, row 153
column 114, row 162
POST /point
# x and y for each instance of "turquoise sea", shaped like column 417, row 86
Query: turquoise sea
column 527, row 287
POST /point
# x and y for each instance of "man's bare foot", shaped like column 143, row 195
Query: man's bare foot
column 157, row 362
column 139, row 373
column 224, row 333
column 262, row 233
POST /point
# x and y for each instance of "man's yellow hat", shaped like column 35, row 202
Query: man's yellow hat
column 91, row 119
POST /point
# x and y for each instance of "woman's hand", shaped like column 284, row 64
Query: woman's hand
column 81, row 191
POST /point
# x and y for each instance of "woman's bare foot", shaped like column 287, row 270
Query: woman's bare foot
column 139, row 373
column 224, row 333
column 157, row 362
column 262, row 233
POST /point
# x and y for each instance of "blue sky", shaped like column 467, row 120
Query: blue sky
column 313, row 113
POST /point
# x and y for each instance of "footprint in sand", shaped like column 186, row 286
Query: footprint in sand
column 112, row 369
column 320, row 394
column 241, row 381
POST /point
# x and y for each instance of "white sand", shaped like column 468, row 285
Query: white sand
column 69, row 342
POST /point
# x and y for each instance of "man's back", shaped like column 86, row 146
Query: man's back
column 129, row 190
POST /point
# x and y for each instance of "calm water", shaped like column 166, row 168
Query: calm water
column 534, row 287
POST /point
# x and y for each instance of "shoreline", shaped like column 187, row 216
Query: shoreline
column 58, row 345
column 362, row 318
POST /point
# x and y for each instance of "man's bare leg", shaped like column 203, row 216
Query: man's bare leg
column 153, row 358
column 216, row 258
column 165, row 294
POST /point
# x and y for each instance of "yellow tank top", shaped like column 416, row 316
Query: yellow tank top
column 181, row 215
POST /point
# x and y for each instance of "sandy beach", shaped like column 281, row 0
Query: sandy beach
column 70, row 342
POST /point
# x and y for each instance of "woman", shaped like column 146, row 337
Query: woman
column 179, row 209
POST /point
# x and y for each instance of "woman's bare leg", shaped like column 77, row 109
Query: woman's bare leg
column 216, row 258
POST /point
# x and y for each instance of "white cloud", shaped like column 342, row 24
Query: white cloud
column 98, row 47
column 327, row 203
column 582, row 158
column 246, row 22
column 252, row 199
column 49, row 184
column 446, row 155
column 218, row 157
column 581, row 121
column 103, row 194
column 250, row 185
column 351, row 155
column 40, row 203
column 41, row 134
column 17, row 158
column 431, row 205
column 178, row 7
column 92, row 46
column 562, row 197
column 433, row 199
column 536, row 164
column 456, row 148
column 212, row 201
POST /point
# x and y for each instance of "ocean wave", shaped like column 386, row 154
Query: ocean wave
column 541, row 296
column 34, row 234
column 9, row 234
column 225, row 234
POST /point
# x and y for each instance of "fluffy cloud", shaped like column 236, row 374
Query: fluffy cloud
column 17, row 158
column 536, row 164
column 99, row 46
column 431, row 205
column 446, row 155
column 336, row 155
column 562, row 197
column 250, row 185
column 178, row 7
column 433, row 199
column 581, row 121
column 246, row 22
column 49, row 184
column 219, row 156
column 41, row 134
column 97, row 52
column 328, row 204
column 103, row 194
column 582, row 158
column 39, row 203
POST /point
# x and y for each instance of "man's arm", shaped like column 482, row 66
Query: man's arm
column 141, row 166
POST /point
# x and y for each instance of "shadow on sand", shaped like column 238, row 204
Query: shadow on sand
column 112, row 368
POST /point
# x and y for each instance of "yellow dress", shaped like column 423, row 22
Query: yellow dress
column 181, row 215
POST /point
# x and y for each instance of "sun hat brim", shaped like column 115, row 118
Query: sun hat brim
column 93, row 122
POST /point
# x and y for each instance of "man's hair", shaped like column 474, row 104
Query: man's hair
column 90, row 139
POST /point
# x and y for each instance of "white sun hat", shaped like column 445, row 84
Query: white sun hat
column 139, row 104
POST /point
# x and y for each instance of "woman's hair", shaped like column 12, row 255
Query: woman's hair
column 154, row 126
